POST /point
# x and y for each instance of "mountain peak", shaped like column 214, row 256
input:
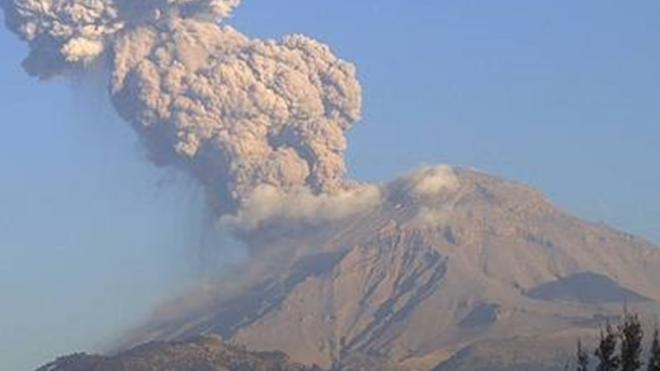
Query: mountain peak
column 450, row 258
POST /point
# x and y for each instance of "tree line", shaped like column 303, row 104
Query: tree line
column 620, row 348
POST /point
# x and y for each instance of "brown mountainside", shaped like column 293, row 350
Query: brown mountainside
column 432, row 276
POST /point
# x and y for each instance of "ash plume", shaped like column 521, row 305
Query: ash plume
column 64, row 34
column 240, row 115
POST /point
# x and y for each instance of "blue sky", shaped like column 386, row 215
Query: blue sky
column 557, row 94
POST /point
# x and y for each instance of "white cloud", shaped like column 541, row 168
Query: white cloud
column 268, row 204
column 432, row 180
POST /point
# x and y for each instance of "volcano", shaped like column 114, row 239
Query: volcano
column 453, row 267
column 446, row 268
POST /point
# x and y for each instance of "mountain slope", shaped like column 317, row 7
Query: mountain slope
column 450, row 259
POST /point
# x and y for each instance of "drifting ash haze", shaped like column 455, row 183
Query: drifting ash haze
column 443, row 268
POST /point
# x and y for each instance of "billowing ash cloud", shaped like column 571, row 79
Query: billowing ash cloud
column 237, row 113
column 62, row 33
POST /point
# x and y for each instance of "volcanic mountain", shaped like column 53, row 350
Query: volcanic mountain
column 452, row 267
column 433, row 270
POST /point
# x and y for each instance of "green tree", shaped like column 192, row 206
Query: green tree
column 631, row 333
column 608, row 360
column 654, row 359
column 582, row 358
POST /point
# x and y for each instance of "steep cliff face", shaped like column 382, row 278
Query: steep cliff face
column 428, row 274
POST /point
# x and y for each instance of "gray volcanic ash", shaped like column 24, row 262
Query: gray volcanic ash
column 236, row 113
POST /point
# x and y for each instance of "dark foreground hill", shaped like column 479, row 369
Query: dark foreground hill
column 200, row 354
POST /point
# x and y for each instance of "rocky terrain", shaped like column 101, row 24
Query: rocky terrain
column 451, row 268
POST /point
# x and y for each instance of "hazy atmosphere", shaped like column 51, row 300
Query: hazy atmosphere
column 557, row 95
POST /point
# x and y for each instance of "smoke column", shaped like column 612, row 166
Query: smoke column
column 260, row 124
column 252, row 120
